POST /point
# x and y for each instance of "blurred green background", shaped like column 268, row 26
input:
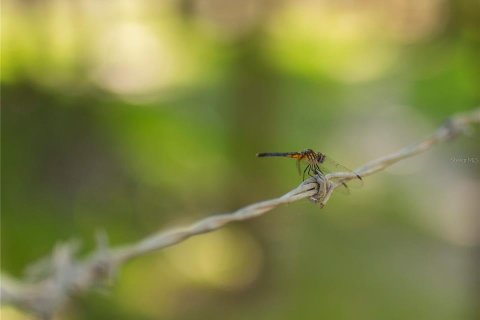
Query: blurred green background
column 136, row 116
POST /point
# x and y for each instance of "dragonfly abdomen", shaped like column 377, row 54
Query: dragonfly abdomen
column 274, row 154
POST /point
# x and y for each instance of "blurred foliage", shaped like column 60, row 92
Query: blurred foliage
column 135, row 116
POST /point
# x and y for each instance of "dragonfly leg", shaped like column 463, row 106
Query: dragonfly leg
column 307, row 168
column 312, row 170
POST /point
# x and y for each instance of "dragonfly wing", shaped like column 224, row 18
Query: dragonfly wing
column 343, row 188
column 330, row 165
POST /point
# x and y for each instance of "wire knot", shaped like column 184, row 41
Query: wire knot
column 324, row 188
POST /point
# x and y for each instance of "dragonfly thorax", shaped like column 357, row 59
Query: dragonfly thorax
column 312, row 156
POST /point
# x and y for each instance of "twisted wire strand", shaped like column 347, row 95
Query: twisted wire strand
column 68, row 275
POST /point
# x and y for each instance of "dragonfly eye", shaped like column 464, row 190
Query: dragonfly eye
column 321, row 158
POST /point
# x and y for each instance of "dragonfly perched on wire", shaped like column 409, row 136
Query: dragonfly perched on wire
column 317, row 163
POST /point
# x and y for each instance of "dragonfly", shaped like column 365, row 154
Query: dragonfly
column 317, row 162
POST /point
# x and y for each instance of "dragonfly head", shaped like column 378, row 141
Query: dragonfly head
column 320, row 157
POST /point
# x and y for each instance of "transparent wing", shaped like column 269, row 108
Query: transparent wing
column 330, row 166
